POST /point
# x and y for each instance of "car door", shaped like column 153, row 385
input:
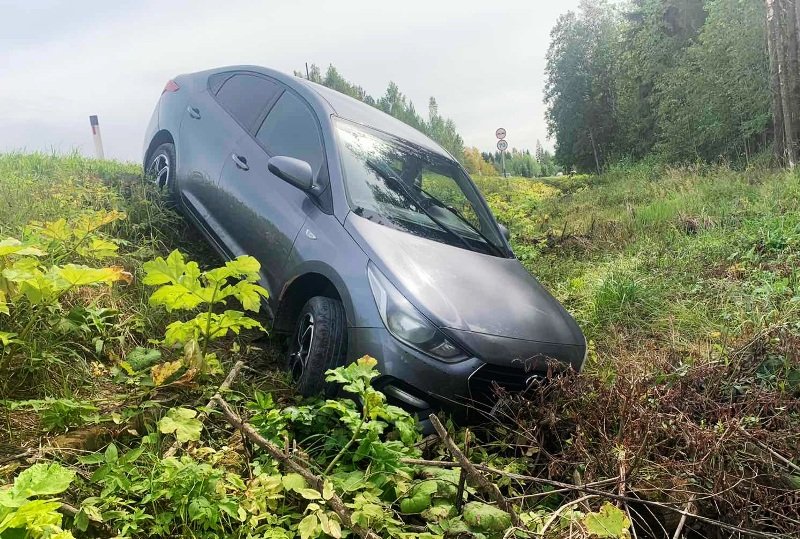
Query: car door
column 216, row 117
column 263, row 213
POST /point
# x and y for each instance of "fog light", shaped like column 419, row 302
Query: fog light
column 406, row 397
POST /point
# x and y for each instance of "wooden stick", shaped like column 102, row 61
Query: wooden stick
column 212, row 404
column 462, row 477
column 682, row 522
column 335, row 502
column 484, row 484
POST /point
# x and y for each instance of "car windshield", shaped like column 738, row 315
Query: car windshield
column 399, row 184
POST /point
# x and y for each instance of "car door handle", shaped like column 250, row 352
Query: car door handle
column 240, row 161
column 194, row 112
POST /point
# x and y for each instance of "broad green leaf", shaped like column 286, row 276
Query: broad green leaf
column 91, row 221
column 334, row 526
column 77, row 275
column 609, row 521
column 293, row 481
column 43, row 480
column 327, row 490
column 367, row 361
column 309, row 527
column 181, row 332
column 248, row 294
column 245, row 265
column 13, row 246
column 178, row 296
column 6, row 338
column 232, row 321
column 182, row 423
column 112, row 454
column 161, row 271
column 420, row 498
column 98, row 248
column 57, row 230
column 440, row 510
column 33, row 515
column 486, row 518
column 309, row 494
column 4, row 303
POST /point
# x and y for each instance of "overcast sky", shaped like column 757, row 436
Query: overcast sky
column 61, row 61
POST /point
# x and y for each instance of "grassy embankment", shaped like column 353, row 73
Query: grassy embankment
column 684, row 281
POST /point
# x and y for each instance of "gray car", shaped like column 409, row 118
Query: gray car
column 372, row 238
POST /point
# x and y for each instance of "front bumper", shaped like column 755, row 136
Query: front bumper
column 420, row 383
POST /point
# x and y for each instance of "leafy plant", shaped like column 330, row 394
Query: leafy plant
column 183, row 286
column 61, row 413
column 26, row 507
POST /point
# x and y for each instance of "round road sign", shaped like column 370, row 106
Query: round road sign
column 500, row 133
column 502, row 145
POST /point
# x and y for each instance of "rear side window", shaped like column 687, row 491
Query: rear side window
column 244, row 97
column 291, row 129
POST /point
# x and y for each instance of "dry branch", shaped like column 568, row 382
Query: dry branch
column 212, row 404
column 335, row 502
column 480, row 481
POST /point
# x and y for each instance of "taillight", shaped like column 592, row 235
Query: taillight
column 171, row 86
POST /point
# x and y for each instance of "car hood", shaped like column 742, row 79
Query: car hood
column 464, row 290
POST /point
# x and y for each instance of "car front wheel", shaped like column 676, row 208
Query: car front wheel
column 319, row 343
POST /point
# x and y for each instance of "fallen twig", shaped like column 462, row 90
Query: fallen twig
column 212, row 404
column 682, row 522
column 462, row 478
column 481, row 481
column 335, row 502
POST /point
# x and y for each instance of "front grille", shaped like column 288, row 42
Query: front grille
column 489, row 380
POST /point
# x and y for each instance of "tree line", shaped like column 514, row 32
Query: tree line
column 437, row 127
column 678, row 80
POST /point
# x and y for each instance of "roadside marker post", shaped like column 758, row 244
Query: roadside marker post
column 98, row 140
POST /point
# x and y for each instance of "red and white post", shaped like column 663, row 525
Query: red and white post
column 98, row 141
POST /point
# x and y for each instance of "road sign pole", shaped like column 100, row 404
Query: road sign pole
column 502, row 145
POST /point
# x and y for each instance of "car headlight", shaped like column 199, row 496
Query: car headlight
column 406, row 323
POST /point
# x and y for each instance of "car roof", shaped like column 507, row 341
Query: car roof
column 341, row 105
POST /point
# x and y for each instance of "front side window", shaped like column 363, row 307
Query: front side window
column 399, row 184
column 291, row 129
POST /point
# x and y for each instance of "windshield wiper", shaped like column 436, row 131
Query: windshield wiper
column 464, row 220
column 410, row 196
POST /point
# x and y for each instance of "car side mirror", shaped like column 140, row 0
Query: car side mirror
column 293, row 171
column 504, row 231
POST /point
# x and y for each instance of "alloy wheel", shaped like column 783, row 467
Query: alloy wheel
column 159, row 169
column 304, row 338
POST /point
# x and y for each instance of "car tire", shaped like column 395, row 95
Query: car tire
column 161, row 168
column 318, row 343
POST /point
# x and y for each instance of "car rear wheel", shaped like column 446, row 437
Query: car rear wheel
column 319, row 343
column 161, row 167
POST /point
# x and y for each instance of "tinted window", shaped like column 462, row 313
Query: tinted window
column 244, row 96
column 291, row 129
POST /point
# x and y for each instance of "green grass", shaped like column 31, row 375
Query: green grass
column 686, row 283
